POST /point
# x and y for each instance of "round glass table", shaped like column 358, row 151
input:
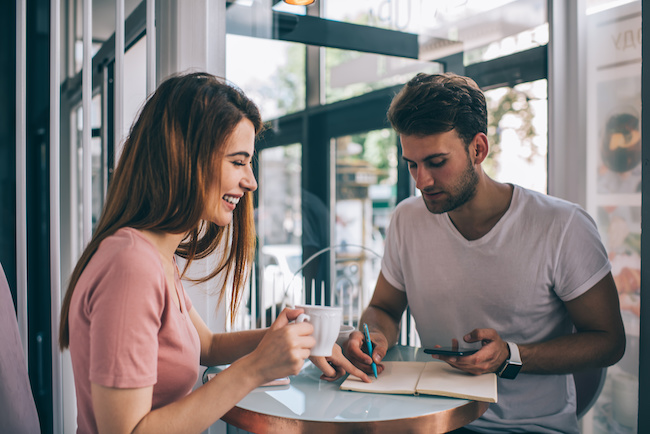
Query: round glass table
column 311, row 405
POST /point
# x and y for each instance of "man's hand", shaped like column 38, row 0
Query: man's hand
column 336, row 366
column 356, row 350
column 488, row 359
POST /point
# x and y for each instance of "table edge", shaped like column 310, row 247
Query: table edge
column 440, row 422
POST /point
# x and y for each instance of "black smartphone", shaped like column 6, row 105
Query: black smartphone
column 450, row 351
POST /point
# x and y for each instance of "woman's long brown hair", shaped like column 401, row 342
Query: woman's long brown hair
column 161, row 181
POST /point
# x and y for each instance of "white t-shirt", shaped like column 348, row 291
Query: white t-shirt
column 514, row 279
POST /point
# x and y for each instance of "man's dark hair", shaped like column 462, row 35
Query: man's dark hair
column 437, row 103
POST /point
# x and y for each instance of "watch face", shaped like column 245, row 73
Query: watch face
column 510, row 371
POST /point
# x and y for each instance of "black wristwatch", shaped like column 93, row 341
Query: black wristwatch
column 512, row 365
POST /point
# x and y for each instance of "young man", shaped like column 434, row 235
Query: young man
column 523, row 275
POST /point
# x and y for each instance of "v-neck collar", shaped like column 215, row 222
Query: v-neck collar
column 495, row 229
column 177, row 284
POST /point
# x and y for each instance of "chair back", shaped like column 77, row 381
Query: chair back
column 589, row 384
column 17, row 408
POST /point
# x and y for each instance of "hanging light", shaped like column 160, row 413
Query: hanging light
column 299, row 2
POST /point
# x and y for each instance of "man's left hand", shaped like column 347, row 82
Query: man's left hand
column 488, row 359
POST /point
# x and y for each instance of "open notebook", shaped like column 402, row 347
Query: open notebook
column 427, row 378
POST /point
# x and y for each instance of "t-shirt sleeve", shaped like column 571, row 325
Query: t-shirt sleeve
column 124, row 309
column 391, row 266
column 582, row 259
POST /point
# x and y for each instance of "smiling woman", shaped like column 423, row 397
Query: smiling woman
column 236, row 176
column 196, row 116
column 130, row 260
column 182, row 187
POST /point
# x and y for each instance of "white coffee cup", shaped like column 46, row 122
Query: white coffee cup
column 326, row 321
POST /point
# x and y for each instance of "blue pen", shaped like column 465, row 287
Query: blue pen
column 374, row 366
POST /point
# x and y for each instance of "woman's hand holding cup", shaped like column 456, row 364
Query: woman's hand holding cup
column 327, row 322
column 283, row 350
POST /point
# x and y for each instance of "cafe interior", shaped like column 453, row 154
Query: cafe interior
column 557, row 76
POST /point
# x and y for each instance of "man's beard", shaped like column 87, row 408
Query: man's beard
column 460, row 194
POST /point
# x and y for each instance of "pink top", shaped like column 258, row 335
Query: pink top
column 125, row 329
column 17, row 408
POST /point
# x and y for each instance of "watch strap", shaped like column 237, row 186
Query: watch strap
column 514, row 353
column 512, row 365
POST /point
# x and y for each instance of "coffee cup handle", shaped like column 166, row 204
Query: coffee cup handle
column 302, row 317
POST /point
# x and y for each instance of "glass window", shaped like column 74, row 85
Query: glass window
column 352, row 73
column 595, row 6
column 271, row 72
column 366, row 193
column 98, row 182
column 103, row 27
column 481, row 29
column 134, row 96
column 517, row 130
column 279, row 228
column 135, row 83
column 525, row 40
column 279, row 215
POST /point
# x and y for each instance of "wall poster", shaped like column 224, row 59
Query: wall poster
column 614, row 192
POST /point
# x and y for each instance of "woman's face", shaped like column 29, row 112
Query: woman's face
column 235, row 176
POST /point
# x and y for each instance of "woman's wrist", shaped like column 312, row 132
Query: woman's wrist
column 249, row 371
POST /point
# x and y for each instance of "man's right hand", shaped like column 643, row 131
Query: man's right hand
column 383, row 316
column 356, row 350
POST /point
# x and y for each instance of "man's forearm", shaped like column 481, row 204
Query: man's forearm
column 598, row 342
column 572, row 353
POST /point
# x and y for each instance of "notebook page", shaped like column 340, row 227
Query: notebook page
column 438, row 378
column 397, row 377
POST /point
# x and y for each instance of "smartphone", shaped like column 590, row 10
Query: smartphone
column 450, row 351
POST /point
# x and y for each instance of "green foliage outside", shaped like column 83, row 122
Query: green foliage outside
column 379, row 150
column 511, row 111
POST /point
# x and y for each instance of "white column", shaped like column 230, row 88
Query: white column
column 191, row 35
column 86, row 98
column 566, row 101
column 118, row 80
column 151, row 46
column 21, row 173
column 332, row 218
column 55, row 211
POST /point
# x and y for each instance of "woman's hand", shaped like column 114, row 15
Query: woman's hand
column 336, row 366
column 284, row 348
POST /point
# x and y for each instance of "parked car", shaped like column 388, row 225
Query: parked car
column 281, row 282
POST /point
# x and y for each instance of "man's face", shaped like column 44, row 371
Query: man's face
column 442, row 169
